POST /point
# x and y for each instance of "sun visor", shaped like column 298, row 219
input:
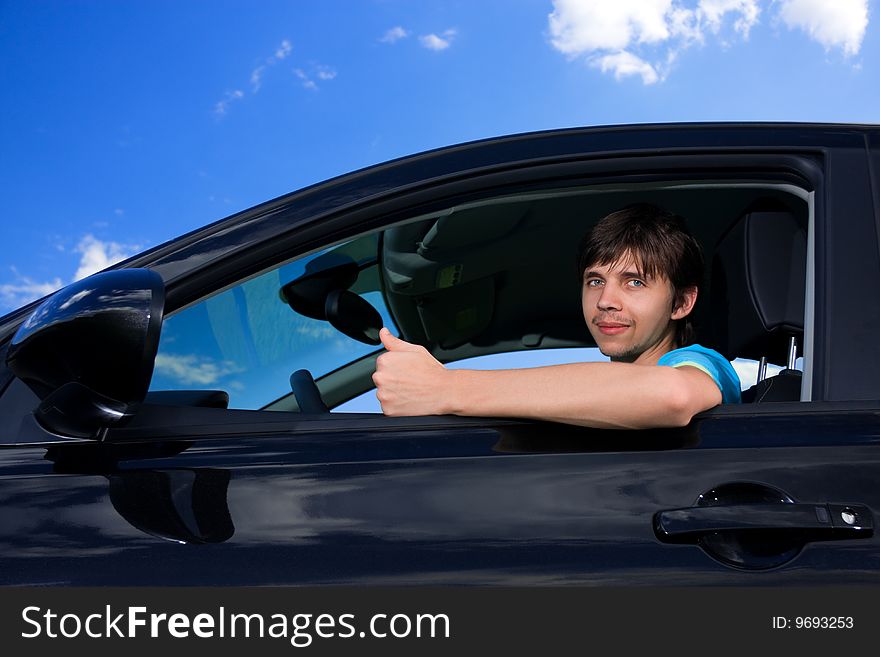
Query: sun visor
column 445, row 269
column 454, row 316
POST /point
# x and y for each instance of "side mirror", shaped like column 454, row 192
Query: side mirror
column 88, row 350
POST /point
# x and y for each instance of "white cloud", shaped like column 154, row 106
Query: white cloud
column 97, row 255
column 326, row 73
column 307, row 82
column 190, row 369
column 437, row 43
column 221, row 107
column 624, row 64
column 280, row 54
column 645, row 37
column 283, row 50
column 433, row 42
column 833, row 23
column 320, row 71
column 25, row 289
column 582, row 26
column 257, row 78
column 714, row 11
column 394, row 35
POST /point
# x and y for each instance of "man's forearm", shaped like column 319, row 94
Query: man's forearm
column 607, row 395
column 409, row 381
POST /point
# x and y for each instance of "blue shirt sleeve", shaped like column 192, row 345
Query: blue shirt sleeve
column 710, row 362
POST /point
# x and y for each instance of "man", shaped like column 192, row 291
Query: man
column 641, row 272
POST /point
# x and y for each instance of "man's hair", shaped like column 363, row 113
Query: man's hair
column 660, row 244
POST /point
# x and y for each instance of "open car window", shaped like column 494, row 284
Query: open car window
column 487, row 282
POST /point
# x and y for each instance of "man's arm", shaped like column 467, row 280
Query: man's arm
column 410, row 381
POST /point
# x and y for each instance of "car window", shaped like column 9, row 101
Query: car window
column 489, row 283
column 247, row 340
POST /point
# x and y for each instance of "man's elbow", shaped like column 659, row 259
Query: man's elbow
column 680, row 414
column 683, row 403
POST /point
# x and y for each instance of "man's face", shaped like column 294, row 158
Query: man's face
column 630, row 316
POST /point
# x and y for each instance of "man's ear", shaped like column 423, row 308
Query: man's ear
column 685, row 303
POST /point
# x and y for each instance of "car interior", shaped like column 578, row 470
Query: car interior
column 499, row 276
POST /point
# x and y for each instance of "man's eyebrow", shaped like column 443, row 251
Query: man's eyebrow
column 592, row 273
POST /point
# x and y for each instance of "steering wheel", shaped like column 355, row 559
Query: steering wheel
column 308, row 397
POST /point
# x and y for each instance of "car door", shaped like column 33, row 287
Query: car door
column 763, row 494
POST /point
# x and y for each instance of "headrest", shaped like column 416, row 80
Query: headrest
column 758, row 284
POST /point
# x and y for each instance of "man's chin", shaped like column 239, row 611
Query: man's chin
column 620, row 355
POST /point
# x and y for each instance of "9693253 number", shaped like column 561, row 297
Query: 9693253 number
column 814, row 623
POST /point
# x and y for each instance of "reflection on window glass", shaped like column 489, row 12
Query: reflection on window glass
column 248, row 341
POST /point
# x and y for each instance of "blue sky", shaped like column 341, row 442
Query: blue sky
column 125, row 124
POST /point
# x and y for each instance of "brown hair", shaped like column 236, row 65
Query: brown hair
column 661, row 245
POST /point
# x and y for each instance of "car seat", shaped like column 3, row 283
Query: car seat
column 757, row 293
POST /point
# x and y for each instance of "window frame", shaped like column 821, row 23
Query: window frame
column 286, row 403
column 799, row 167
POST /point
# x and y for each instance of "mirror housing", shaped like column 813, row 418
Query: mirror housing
column 87, row 351
column 354, row 316
column 322, row 293
column 307, row 295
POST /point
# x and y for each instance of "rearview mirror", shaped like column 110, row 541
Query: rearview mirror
column 307, row 295
column 354, row 316
column 322, row 293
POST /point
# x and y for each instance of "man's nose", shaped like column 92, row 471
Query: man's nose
column 610, row 298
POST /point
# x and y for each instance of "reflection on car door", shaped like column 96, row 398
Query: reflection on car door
column 435, row 501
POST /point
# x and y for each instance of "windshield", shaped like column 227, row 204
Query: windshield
column 247, row 340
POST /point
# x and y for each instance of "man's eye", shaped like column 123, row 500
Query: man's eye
column 593, row 282
column 637, row 283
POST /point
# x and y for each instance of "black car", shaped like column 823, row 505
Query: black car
column 204, row 414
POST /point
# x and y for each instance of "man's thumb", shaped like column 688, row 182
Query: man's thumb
column 393, row 343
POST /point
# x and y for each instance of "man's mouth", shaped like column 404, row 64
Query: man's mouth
column 611, row 328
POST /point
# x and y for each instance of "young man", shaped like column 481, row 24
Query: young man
column 641, row 273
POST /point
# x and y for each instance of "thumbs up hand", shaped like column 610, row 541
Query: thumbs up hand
column 392, row 343
column 409, row 380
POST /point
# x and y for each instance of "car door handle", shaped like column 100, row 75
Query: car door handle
column 813, row 521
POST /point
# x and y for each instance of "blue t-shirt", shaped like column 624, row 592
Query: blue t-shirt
column 710, row 362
